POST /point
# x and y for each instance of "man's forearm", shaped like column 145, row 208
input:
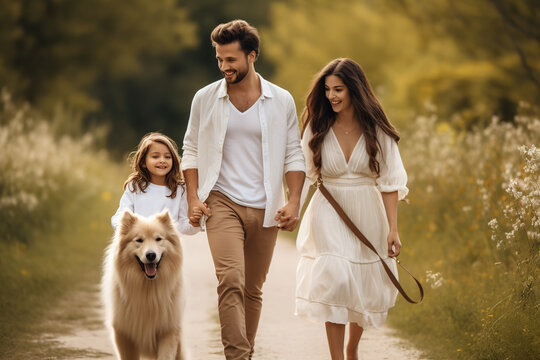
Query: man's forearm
column 192, row 183
column 295, row 182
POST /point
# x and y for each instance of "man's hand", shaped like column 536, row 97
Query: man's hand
column 196, row 209
column 288, row 216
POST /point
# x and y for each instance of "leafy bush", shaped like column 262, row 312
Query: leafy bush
column 42, row 174
column 473, row 227
column 57, row 193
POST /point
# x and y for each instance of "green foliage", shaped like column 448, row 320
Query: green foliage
column 306, row 35
column 482, row 275
column 417, row 55
column 499, row 47
column 56, row 199
column 44, row 175
column 54, row 51
column 37, row 276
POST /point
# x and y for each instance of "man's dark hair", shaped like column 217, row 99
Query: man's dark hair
column 237, row 30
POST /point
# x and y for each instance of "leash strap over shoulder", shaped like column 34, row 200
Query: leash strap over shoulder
column 366, row 242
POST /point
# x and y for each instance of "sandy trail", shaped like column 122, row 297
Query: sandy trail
column 281, row 335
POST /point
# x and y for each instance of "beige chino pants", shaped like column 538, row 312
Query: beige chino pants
column 242, row 251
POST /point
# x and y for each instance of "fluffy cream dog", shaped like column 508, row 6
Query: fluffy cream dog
column 142, row 288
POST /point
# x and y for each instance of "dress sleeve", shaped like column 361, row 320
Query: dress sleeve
column 183, row 225
column 126, row 203
column 294, row 160
column 392, row 172
column 311, row 171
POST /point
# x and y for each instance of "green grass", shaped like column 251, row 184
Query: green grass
column 37, row 276
column 484, row 309
column 476, row 314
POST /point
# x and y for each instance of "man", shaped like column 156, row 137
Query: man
column 242, row 137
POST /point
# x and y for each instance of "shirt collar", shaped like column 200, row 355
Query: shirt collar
column 265, row 88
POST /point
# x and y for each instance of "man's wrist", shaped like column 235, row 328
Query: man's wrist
column 294, row 201
column 192, row 197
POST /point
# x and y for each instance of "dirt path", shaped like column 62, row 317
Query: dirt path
column 281, row 335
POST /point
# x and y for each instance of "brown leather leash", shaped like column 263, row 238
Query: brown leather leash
column 366, row 242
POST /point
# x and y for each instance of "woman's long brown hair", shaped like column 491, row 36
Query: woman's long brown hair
column 139, row 179
column 367, row 110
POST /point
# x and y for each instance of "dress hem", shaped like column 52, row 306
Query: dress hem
column 320, row 311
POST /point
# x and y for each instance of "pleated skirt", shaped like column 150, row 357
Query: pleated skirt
column 339, row 279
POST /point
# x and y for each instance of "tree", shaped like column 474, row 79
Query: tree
column 305, row 35
column 501, row 36
column 454, row 56
column 53, row 51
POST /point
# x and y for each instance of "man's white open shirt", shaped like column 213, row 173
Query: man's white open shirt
column 280, row 140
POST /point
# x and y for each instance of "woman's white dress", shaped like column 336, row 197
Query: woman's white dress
column 338, row 278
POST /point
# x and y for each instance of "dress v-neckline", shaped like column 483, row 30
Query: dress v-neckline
column 341, row 149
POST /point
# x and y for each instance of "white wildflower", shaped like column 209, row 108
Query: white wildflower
column 434, row 279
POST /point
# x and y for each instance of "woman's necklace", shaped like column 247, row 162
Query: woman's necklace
column 347, row 132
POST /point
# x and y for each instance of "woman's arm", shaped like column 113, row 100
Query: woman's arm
column 390, row 200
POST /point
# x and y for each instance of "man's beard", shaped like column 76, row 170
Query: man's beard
column 240, row 75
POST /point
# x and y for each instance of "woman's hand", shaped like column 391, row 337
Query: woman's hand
column 394, row 245
column 288, row 216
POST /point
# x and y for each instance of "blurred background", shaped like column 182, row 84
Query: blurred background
column 82, row 81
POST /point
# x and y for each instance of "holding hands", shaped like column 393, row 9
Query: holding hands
column 288, row 216
column 196, row 210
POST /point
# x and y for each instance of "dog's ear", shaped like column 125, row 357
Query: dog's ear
column 127, row 221
column 164, row 218
column 169, row 225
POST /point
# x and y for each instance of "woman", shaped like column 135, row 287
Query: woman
column 349, row 143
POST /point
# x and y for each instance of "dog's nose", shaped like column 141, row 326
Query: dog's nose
column 151, row 256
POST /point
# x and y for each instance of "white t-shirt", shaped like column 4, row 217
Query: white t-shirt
column 241, row 177
column 154, row 200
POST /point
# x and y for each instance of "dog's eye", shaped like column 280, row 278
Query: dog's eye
column 139, row 240
column 158, row 239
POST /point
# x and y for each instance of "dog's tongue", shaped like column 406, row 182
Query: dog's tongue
column 150, row 269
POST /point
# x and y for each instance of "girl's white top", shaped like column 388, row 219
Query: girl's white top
column 154, row 200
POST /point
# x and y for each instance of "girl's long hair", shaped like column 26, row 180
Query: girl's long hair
column 367, row 110
column 139, row 179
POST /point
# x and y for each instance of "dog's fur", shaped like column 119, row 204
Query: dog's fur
column 144, row 308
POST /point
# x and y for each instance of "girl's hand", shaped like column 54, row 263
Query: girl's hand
column 394, row 245
column 195, row 211
column 197, row 214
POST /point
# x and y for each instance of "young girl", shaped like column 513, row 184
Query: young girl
column 156, row 183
